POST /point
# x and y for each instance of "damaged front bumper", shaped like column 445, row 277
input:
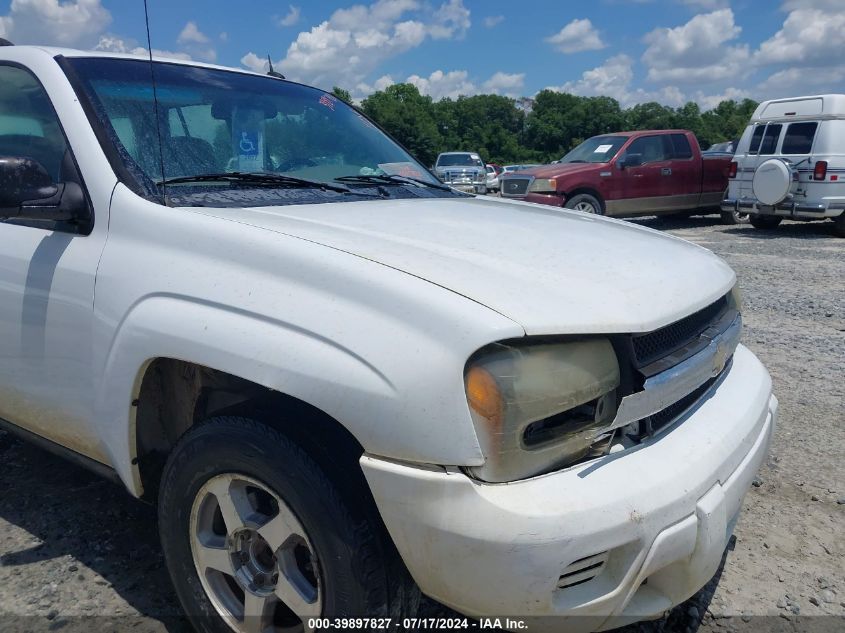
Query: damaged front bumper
column 614, row 540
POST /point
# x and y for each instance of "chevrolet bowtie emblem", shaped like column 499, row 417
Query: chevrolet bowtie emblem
column 720, row 357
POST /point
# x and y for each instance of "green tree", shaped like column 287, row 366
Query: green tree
column 342, row 94
column 408, row 116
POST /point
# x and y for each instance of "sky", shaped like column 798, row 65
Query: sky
column 670, row 51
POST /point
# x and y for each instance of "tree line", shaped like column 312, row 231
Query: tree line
column 504, row 133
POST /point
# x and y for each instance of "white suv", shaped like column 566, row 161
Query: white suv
column 344, row 383
column 790, row 163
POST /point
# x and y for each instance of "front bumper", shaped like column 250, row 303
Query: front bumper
column 788, row 208
column 553, row 199
column 661, row 512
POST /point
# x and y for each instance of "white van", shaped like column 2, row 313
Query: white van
column 790, row 163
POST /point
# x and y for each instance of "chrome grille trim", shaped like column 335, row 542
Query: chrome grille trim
column 672, row 385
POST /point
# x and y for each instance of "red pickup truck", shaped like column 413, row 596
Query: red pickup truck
column 651, row 172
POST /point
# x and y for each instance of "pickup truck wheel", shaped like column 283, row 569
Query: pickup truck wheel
column 257, row 537
column 765, row 221
column 734, row 217
column 584, row 202
column 839, row 225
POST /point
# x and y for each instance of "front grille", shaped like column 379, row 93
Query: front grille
column 515, row 186
column 674, row 411
column 667, row 340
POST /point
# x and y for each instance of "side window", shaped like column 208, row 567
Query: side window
column 682, row 146
column 756, row 138
column 799, row 138
column 770, row 139
column 650, row 147
column 29, row 125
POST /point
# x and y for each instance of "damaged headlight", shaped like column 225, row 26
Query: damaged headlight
column 539, row 407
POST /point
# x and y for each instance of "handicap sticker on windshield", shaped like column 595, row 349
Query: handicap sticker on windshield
column 248, row 145
column 601, row 149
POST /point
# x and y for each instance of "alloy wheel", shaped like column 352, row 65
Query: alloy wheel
column 253, row 557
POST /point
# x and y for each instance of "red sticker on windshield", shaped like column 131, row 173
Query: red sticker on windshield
column 328, row 101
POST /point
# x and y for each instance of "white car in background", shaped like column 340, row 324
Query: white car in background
column 790, row 163
column 492, row 178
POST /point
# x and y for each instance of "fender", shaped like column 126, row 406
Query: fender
column 271, row 315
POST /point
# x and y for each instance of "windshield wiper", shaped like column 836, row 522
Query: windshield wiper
column 391, row 179
column 262, row 179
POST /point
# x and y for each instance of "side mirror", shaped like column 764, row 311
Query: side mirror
column 630, row 160
column 28, row 193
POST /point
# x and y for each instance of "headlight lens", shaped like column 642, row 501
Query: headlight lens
column 481, row 176
column 543, row 185
column 542, row 406
column 735, row 298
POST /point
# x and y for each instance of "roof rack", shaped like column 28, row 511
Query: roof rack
column 5, row 42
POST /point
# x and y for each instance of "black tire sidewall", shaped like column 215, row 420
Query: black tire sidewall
column 246, row 447
column 765, row 221
column 584, row 197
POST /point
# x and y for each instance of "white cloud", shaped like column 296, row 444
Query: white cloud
column 192, row 35
column 710, row 101
column 196, row 43
column 114, row 44
column 614, row 79
column 811, row 35
column 439, row 85
column 508, row 84
column 451, row 20
column 697, row 52
column 792, row 82
column 577, row 36
column 291, row 17
column 355, row 41
column 78, row 23
column 493, row 20
column 255, row 63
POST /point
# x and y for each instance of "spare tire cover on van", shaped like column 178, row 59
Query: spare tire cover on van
column 772, row 181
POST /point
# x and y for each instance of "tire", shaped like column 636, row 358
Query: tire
column 289, row 542
column 765, row 221
column 734, row 217
column 839, row 225
column 584, row 202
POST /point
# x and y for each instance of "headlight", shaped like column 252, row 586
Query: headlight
column 540, row 407
column 735, row 298
column 481, row 176
column 543, row 185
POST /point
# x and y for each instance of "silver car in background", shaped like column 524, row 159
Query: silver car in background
column 464, row 171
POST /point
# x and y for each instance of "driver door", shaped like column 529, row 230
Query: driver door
column 47, row 272
column 644, row 187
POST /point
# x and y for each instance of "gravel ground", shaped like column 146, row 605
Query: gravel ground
column 73, row 545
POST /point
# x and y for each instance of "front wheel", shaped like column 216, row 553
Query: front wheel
column 765, row 221
column 839, row 225
column 584, row 202
column 734, row 217
column 257, row 537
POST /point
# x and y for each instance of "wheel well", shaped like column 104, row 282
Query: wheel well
column 588, row 191
column 175, row 395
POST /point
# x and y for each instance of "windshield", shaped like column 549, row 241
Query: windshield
column 459, row 160
column 214, row 121
column 599, row 149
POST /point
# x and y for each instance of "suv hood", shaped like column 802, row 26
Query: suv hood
column 553, row 271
